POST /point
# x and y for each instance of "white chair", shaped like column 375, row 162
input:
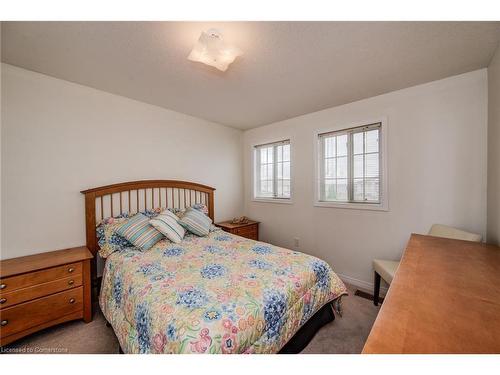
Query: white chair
column 386, row 269
column 440, row 230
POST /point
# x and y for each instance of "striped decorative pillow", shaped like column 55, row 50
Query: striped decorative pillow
column 166, row 223
column 196, row 222
column 139, row 232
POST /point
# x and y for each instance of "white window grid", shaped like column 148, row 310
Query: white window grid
column 337, row 170
column 272, row 170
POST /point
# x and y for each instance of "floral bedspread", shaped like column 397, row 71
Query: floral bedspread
column 216, row 294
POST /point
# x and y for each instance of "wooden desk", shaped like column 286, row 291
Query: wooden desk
column 445, row 298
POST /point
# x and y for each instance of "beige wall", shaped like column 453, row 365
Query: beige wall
column 436, row 171
column 59, row 138
column 494, row 149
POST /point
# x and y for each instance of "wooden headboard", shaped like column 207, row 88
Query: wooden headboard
column 137, row 196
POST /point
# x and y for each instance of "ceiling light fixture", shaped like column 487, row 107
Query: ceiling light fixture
column 210, row 49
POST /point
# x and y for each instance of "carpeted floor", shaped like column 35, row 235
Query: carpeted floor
column 346, row 334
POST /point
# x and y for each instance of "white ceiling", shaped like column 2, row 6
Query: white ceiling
column 288, row 68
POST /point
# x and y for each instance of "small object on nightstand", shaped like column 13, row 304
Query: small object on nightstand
column 42, row 290
column 240, row 220
column 249, row 229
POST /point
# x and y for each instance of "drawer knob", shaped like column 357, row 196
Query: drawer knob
column 71, row 269
column 71, row 300
column 4, row 323
column 3, row 286
column 3, row 300
column 71, row 282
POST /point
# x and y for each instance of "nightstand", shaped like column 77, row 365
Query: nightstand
column 249, row 230
column 42, row 290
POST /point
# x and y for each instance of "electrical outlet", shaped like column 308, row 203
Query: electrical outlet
column 296, row 242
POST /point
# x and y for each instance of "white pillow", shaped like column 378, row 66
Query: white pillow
column 166, row 223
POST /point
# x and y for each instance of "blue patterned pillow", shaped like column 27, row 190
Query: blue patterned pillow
column 196, row 222
column 108, row 240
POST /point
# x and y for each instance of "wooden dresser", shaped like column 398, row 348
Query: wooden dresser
column 249, row 230
column 39, row 291
column 444, row 298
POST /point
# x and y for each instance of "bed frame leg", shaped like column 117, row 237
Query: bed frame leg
column 376, row 290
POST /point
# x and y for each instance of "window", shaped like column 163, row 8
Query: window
column 272, row 171
column 350, row 166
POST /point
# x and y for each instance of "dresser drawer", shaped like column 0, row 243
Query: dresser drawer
column 9, row 284
column 30, row 314
column 250, row 236
column 40, row 290
column 249, row 231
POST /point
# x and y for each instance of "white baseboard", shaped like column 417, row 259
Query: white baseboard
column 364, row 286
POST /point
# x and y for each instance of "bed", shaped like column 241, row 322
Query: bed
column 215, row 294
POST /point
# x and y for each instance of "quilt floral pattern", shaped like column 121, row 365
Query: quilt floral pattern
column 216, row 294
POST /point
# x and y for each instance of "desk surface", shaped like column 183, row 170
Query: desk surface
column 445, row 298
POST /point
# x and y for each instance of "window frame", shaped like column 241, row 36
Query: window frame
column 383, row 204
column 256, row 179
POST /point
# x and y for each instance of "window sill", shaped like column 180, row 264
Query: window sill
column 271, row 200
column 353, row 206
